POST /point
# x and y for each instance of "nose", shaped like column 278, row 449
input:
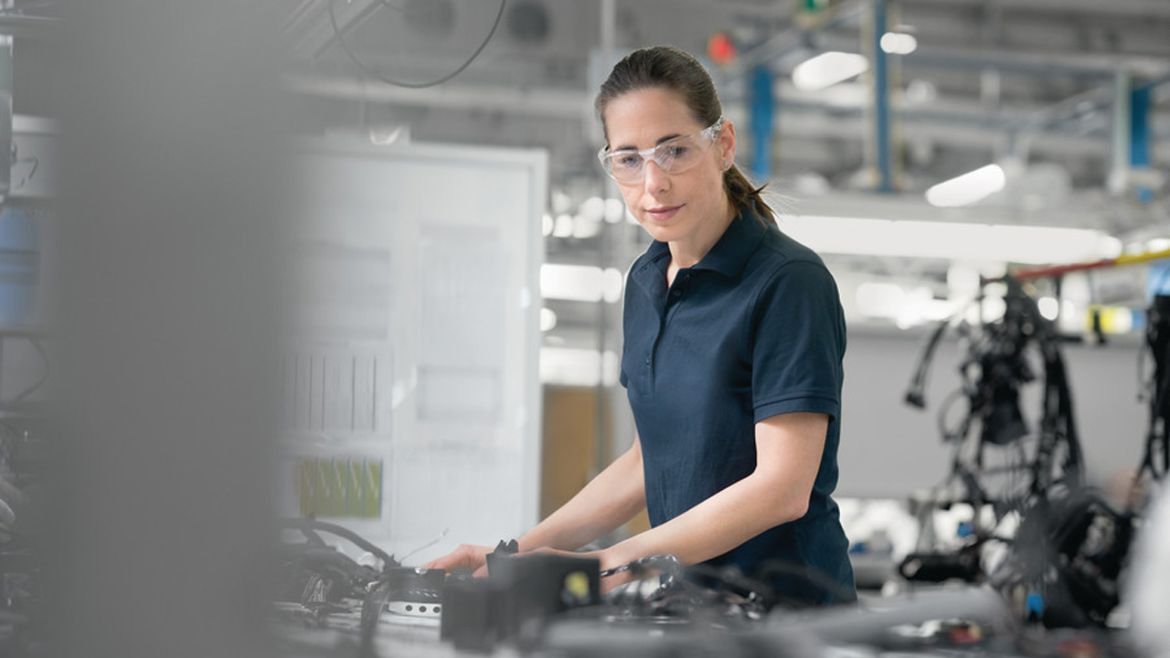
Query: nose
column 656, row 180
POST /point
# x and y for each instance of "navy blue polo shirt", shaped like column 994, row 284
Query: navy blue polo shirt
column 753, row 330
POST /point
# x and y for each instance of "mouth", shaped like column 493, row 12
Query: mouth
column 663, row 213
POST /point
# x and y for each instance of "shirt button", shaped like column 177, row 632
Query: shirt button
column 647, row 360
column 676, row 293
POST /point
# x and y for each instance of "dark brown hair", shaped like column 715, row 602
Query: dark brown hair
column 669, row 68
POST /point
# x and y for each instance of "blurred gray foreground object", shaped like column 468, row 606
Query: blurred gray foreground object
column 870, row 624
column 1149, row 585
column 168, row 282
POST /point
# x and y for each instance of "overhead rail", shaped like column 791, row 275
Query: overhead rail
column 1060, row 270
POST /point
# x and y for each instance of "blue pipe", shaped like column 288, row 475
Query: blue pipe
column 763, row 108
column 1139, row 136
column 881, row 100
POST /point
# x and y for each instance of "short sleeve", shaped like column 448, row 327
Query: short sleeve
column 798, row 343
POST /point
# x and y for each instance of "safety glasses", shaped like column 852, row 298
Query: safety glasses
column 673, row 156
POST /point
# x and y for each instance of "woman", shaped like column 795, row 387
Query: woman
column 734, row 338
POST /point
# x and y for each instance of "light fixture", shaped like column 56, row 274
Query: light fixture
column 593, row 209
column 967, row 242
column 1049, row 307
column 614, row 210
column 967, row 189
column 575, row 283
column 567, row 366
column 1158, row 244
column 563, row 226
column 898, row 43
column 580, row 283
column 878, row 299
column 612, row 283
column 586, row 226
column 827, row 69
column 548, row 319
column 992, row 309
column 920, row 92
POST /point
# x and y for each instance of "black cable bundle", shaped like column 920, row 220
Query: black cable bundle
column 993, row 371
column 1003, row 368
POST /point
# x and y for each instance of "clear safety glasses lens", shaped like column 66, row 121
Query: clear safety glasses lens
column 673, row 156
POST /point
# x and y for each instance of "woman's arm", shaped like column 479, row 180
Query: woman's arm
column 788, row 456
column 610, row 499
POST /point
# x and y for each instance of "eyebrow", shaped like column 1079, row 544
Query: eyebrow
column 631, row 147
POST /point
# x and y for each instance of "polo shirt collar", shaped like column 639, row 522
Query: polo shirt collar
column 737, row 244
column 728, row 257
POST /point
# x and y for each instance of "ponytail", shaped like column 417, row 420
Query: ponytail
column 746, row 197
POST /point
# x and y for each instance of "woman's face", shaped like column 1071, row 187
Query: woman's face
column 671, row 207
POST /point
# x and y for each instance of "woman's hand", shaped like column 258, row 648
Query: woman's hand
column 467, row 556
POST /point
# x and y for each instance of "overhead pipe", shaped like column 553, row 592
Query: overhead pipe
column 1026, row 62
column 1120, row 143
column 1139, row 137
column 880, row 129
column 763, row 112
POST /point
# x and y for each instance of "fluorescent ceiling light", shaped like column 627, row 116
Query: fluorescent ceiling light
column 898, row 43
column 968, row 188
column 1158, row 244
column 1030, row 245
column 548, row 320
column 827, row 69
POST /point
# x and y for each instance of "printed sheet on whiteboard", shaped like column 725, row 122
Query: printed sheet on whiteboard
column 463, row 285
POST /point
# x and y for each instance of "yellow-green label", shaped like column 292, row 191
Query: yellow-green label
column 339, row 487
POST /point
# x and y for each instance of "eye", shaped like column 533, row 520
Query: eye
column 676, row 150
column 626, row 160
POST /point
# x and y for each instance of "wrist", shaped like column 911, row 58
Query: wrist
column 617, row 555
column 527, row 543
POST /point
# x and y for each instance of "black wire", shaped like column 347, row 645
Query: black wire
column 367, row 71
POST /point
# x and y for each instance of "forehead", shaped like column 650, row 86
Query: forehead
column 642, row 117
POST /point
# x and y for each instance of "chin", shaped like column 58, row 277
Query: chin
column 663, row 232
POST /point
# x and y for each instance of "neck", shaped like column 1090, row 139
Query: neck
column 689, row 251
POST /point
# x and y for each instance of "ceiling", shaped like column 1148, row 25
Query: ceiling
column 1032, row 82
column 982, row 70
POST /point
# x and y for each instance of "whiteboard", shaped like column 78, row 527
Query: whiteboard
column 416, row 326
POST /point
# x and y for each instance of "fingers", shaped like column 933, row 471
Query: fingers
column 449, row 561
column 467, row 556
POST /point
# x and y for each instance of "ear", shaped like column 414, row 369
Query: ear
column 726, row 144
